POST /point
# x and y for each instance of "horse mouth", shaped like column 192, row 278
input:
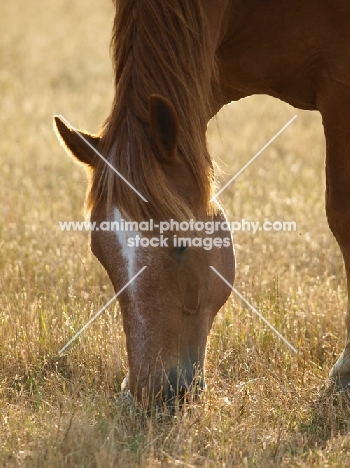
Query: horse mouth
column 180, row 389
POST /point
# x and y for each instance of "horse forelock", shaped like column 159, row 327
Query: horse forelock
column 157, row 48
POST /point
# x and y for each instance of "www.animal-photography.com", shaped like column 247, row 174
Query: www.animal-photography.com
column 174, row 234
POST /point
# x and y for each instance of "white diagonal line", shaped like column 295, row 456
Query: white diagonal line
column 253, row 158
column 100, row 311
column 104, row 159
column 255, row 311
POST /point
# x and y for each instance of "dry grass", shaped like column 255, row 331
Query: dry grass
column 264, row 407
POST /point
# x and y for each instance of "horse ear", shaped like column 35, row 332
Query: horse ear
column 164, row 123
column 73, row 142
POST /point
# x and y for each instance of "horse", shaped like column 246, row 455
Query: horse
column 176, row 64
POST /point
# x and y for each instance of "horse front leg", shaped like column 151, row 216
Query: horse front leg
column 336, row 121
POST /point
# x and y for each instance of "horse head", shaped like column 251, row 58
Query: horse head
column 169, row 309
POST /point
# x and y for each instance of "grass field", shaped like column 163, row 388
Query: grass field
column 264, row 406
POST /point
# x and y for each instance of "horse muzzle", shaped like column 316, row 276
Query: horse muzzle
column 182, row 384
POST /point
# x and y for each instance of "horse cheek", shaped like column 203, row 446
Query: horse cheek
column 190, row 288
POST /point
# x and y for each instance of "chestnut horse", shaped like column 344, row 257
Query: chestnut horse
column 177, row 62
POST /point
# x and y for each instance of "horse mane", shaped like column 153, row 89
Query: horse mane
column 158, row 47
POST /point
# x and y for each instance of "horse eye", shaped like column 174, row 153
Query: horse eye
column 181, row 249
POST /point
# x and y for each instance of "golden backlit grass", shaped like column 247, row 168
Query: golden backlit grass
column 264, row 406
